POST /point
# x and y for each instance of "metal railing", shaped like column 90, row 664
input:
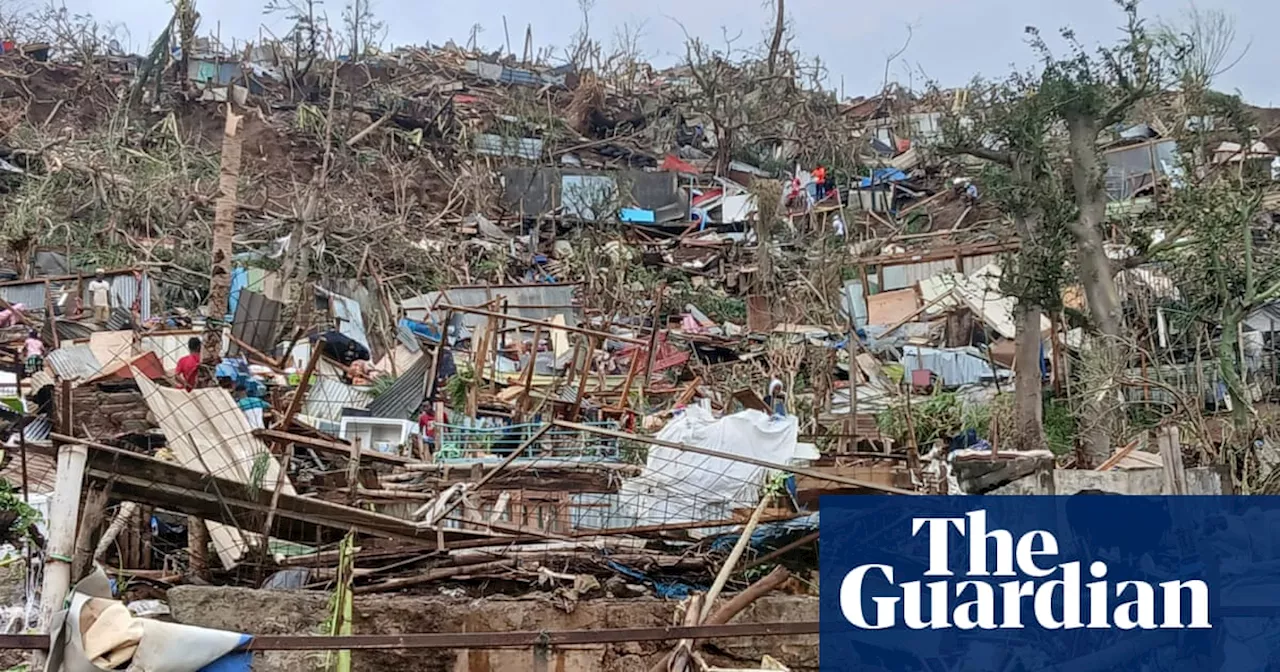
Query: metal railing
column 462, row 442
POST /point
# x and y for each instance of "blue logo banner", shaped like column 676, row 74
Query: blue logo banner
column 1050, row 584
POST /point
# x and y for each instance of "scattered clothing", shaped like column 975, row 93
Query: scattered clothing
column 360, row 372
column 12, row 315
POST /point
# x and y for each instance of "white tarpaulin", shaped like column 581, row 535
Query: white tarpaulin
column 678, row 486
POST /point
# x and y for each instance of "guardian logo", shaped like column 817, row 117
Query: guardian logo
column 1021, row 579
column 1068, row 584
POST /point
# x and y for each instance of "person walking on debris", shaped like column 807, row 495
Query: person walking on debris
column 776, row 399
column 820, row 181
column 35, row 352
column 189, row 365
column 100, row 297
column 251, row 405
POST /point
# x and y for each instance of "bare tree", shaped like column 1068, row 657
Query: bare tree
column 362, row 27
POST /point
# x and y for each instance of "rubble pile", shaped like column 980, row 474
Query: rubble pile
column 441, row 322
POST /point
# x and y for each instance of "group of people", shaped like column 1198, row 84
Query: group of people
column 247, row 392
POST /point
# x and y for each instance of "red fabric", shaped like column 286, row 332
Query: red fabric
column 186, row 371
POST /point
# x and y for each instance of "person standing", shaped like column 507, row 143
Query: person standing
column 35, row 352
column 820, row 182
column 100, row 297
column 189, row 365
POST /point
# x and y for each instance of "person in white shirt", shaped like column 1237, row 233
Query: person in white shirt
column 100, row 297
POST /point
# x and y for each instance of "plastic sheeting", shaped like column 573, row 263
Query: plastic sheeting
column 955, row 366
column 677, row 486
column 144, row 643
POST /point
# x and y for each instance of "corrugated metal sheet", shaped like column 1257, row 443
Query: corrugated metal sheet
column 532, row 302
column 405, row 395
column 972, row 264
column 500, row 145
column 327, row 396
column 32, row 294
column 217, row 440
column 127, row 288
column 168, row 347
column 120, row 319
column 350, row 320
column 907, row 275
column 256, row 322
column 38, row 429
column 73, row 362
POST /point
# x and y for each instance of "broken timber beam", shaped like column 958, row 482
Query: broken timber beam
column 804, row 471
column 489, row 640
column 334, row 448
column 545, row 324
column 146, row 480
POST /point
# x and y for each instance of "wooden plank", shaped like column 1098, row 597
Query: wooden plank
column 146, row 480
column 339, row 449
column 893, row 307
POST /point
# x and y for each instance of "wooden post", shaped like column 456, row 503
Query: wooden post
column 198, row 547
column 653, row 337
column 1175, row 475
column 224, row 222
column 522, row 404
column 53, row 322
column 92, row 512
column 582, row 380
column 64, row 511
column 353, row 470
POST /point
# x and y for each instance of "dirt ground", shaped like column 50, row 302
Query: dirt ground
column 299, row 613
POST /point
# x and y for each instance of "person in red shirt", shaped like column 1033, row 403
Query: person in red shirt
column 187, row 366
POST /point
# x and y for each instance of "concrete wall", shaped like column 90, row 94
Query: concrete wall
column 302, row 612
column 1200, row 481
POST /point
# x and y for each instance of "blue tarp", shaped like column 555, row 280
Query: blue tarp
column 882, row 176
column 236, row 661
column 664, row 589
column 422, row 329
column 637, row 215
column 770, row 535
column 239, row 281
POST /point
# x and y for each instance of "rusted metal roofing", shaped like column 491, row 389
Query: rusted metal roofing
column 256, row 322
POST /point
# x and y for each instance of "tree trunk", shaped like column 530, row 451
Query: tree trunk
column 1100, row 291
column 1232, row 370
column 224, row 228
column 1028, row 382
column 779, row 24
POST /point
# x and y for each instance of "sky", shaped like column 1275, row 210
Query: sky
column 950, row 40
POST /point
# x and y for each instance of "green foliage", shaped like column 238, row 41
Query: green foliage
column 459, row 385
column 26, row 516
column 380, row 385
column 1059, row 426
column 258, row 472
column 938, row 416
